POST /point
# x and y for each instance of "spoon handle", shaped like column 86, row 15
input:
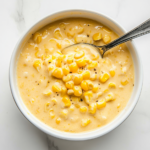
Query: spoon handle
column 141, row 30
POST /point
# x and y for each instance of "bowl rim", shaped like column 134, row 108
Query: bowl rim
column 59, row 135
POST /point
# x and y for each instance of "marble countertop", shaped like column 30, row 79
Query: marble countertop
column 16, row 133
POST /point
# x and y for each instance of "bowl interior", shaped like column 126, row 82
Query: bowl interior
column 91, row 134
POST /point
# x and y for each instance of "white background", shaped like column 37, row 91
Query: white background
column 16, row 133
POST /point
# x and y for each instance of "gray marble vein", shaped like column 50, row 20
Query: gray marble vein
column 51, row 145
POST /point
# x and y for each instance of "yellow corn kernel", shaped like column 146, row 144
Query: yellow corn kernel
column 67, row 78
column 59, row 45
column 86, row 75
column 37, row 37
column 58, row 120
column 81, row 63
column 66, row 101
column 106, row 39
column 61, row 57
column 78, row 79
column 73, row 67
column 66, row 70
column 53, row 57
column 37, row 65
column 47, row 106
column 83, row 109
column 92, row 108
column 57, row 34
column 124, row 82
column 58, row 63
column 93, row 77
column 77, row 91
column 64, row 113
column 84, row 85
column 70, row 92
column 95, row 89
column 47, row 93
column 80, row 29
column 72, row 108
column 56, row 88
column 112, row 85
column 70, row 34
column 85, row 122
column 54, row 101
column 101, row 104
column 88, row 60
column 92, row 65
column 106, row 90
column 87, row 96
column 79, row 54
column 75, row 99
column 110, row 97
column 37, row 54
column 69, row 60
column 97, row 36
column 63, row 90
column 51, row 67
column 51, row 113
column 104, row 77
column 90, row 84
column 99, row 94
column 77, row 105
column 57, row 73
column 112, row 73
column 69, row 85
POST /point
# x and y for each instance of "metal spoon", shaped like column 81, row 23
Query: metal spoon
column 140, row 30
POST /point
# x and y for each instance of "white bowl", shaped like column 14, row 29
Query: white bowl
column 90, row 134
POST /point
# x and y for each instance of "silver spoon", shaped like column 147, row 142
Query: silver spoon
column 140, row 30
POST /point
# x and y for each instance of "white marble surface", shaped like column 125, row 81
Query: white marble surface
column 16, row 133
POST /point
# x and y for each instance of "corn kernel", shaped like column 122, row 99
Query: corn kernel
column 66, row 70
column 54, row 101
column 86, row 75
column 63, row 90
column 47, row 93
column 95, row 89
column 59, row 45
column 106, row 39
column 85, row 122
column 69, row 85
column 58, row 63
column 58, row 120
column 92, row 65
column 37, row 37
column 112, row 73
column 83, row 109
column 47, row 106
column 51, row 113
column 73, row 67
column 57, row 73
column 72, row 107
column 97, row 36
column 87, row 96
column 80, row 29
column 56, row 88
column 75, row 99
column 93, row 77
column 106, row 90
column 37, row 65
column 77, row 91
column 92, row 108
column 53, row 57
column 84, row 85
column 81, row 63
column 57, row 34
column 69, row 60
column 66, row 101
column 70, row 92
column 104, row 77
column 79, row 54
column 51, row 67
column 90, row 85
column 67, row 78
column 112, row 85
column 110, row 97
column 124, row 82
column 101, row 104
column 64, row 113
column 99, row 94
column 78, row 79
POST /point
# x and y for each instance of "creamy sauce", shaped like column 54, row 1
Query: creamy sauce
column 77, row 90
